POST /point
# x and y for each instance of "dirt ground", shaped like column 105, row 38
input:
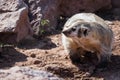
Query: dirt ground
column 47, row 54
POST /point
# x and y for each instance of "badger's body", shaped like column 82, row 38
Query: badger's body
column 87, row 32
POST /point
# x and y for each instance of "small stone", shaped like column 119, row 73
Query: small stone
column 66, row 57
column 37, row 61
column 33, row 55
column 46, row 52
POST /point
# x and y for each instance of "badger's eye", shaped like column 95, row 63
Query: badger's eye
column 73, row 29
column 85, row 32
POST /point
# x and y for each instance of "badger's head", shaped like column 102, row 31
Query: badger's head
column 77, row 30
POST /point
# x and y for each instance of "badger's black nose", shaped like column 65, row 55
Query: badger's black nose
column 66, row 32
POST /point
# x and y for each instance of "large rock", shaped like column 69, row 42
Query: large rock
column 116, row 7
column 43, row 10
column 26, row 73
column 70, row 7
column 115, row 3
column 14, row 21
column 52, row 9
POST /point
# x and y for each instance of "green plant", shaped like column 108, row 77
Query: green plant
column 43, row 22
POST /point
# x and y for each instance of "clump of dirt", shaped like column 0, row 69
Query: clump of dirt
column 47, row 54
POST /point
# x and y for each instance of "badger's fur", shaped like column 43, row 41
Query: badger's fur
column 87, row 32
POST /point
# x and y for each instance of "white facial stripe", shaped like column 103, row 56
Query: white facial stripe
column 71, row 25
column 83, row 27
column 75, row 33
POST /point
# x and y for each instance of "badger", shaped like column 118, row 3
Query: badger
column 86, row 32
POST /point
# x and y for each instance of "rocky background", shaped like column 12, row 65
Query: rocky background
column 39, row 23
column 21, row 18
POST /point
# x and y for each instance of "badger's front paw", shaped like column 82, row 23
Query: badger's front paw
column 103, row 62
column 76, row 58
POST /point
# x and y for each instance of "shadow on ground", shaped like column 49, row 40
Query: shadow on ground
column 43, row 43
column 88, row 71
column 112, row 71
column 9, row 56
column 109, row 72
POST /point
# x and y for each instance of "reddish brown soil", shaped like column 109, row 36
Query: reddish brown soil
column 48, row 54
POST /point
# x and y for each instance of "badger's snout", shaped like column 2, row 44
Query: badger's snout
column 66, row 32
